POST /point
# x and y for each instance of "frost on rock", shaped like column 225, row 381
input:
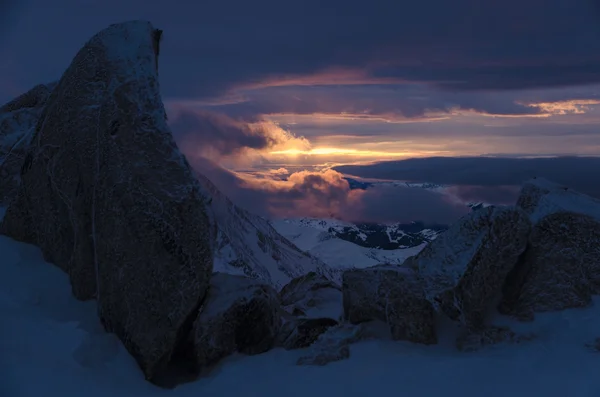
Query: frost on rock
column 464, row 268
column 333, row 345
column 312, row 295
column 240, row 315
column 560, row 269
column 109, row 198
column 393, row 295
column 247, row 244
column 18, row 119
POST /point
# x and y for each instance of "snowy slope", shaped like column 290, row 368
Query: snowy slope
column 247, row 244
column 53, row 345
column 318, row 237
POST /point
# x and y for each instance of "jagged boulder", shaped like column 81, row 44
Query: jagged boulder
column 18, row 119
column 391, row 294
column 108, row 197
column 312, row 295
column 464, row 268
column 240, row 315
column 561, row 267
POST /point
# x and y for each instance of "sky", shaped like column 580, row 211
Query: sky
column 266, row 92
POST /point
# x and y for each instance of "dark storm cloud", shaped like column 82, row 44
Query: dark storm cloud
column 212, row 46
column 216, row 131
column 580, row 173
column 406, row 100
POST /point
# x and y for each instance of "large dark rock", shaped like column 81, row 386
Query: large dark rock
column 240, row 315
column 18, row 119
column 393, row 295
column 464, row 268
column 561, row 267
column 108, row 197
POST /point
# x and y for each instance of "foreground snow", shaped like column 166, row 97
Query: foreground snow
column 51, row 344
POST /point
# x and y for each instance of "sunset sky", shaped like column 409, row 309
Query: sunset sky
column 270, row 87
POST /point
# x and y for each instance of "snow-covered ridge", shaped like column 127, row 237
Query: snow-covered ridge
column 247, row 244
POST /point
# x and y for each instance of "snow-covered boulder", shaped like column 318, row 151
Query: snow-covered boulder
column 540, row 197
column 464, row 269
column 333, row 345
column 18, row 119
column 108, row 197
column 297, row 333
column 391, row 294
column 241, row 314
column 312, row 295
column 561, row 267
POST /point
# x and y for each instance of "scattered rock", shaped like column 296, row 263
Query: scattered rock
column 108, row 197
column 464, row 268
column 594, row 345
column 491, row 335
column 391, row 294
column 240, row 315
column 333, row 345
column 302, row 332
column 312, row 295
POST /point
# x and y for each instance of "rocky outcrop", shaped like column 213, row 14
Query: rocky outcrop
column 393, row 295
column 561, row 267
column 18, row 119
column 312, row 295
column 108, row 197
column 240, row 315
column 464, row 268
column 488, row 336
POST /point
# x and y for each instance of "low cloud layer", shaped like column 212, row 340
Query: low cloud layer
column 326, row 194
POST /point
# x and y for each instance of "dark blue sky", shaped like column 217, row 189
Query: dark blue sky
column 259, row 85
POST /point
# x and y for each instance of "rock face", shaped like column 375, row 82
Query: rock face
column 240, row 315
column 561, row 267
column 464, row 269
column 393, row 295
column 18, row 119
column 108, row 197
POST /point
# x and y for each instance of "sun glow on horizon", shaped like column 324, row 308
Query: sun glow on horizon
column 329, row 151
